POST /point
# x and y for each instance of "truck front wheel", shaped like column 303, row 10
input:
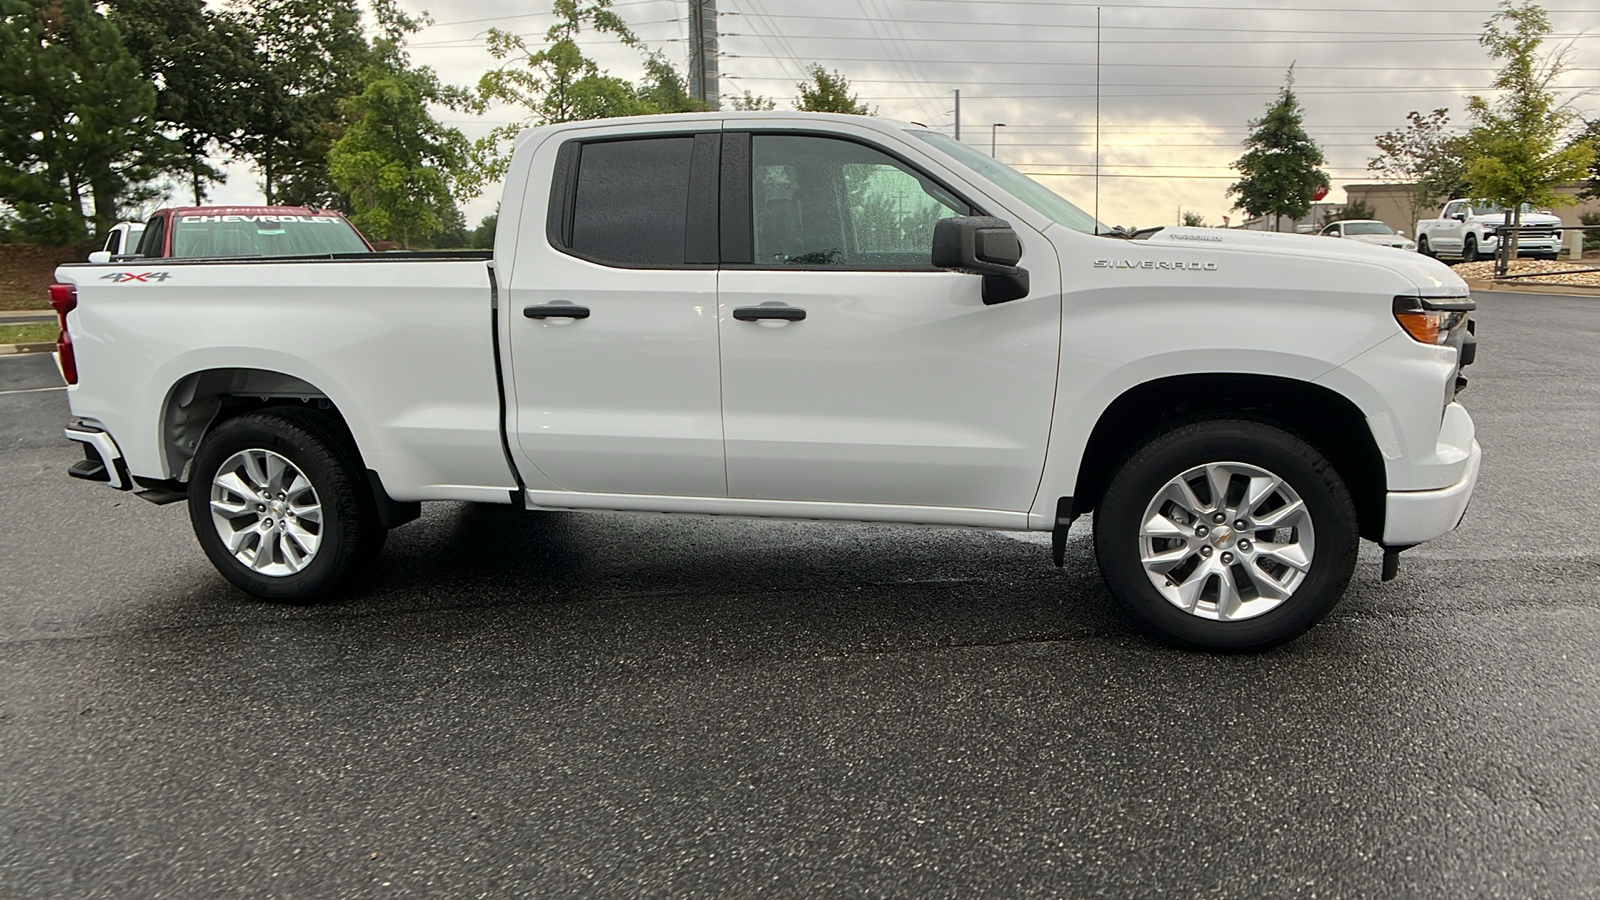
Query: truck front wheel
column 1469, row 249
column 1226, row 535
column 276, row 500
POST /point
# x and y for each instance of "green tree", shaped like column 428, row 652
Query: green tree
column 664, row 89
column 482, row 237
column 400, row 168
column 1355, row 209
column 555, row 83
column 749, row 102
column 76, row 119
column 1192, row 219
column 310, row 55
column 203, row 65
column 1426, row 156
column 1591, row 136
column 1279, row 170
column 828, row 92
column 1516, row 139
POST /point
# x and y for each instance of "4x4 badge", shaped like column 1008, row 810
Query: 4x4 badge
column 125, row 277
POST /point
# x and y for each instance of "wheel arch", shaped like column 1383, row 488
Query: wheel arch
column 1326, row 419
column 203, row 399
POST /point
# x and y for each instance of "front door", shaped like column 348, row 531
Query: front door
column 612, row 320
column 898, row 386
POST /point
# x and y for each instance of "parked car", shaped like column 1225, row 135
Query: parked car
column 123, row 238
column 1370, row 231
column 801, row 316
column 1466, row 229
column 199, row 232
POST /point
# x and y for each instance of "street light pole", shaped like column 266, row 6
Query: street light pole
column 992, row 132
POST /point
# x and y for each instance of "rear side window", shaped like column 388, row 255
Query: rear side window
column 150, row 242
column 632, row 201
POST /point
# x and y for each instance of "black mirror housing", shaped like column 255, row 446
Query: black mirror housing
column 982, row 245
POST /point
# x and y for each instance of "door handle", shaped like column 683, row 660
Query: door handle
column 556, row 311
column 754, row 313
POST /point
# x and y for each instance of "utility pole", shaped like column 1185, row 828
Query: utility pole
column 994, row 130
column 958, row 114
column 703, row 51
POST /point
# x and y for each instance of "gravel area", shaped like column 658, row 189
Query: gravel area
column 1485, row 271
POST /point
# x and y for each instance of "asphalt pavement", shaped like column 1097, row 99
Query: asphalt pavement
column 522, row 704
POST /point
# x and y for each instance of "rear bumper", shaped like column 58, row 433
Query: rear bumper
column 1412, row 517
column 113, row 469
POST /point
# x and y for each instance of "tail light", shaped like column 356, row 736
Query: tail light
column 64, row 298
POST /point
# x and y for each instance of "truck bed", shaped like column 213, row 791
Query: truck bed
column 401, row 343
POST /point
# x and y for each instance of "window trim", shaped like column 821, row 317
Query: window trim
column 737, row 183
column 700, row 225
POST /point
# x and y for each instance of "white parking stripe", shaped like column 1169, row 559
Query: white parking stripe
column 33, row 390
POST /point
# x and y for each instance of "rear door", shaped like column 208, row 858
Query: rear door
column 898, row 386
column 612, row 326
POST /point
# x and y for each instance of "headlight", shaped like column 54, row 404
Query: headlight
column 1439, row 322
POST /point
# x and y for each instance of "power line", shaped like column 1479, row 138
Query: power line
column 1251, row 9
column 967, row 23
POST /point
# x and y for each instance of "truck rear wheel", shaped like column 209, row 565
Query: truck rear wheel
column 1423, row 248
column 1228, row 535
column 278, row 504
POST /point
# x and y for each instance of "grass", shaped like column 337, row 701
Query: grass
column 28, row 334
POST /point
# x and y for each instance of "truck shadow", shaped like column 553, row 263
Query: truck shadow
column 863, row 585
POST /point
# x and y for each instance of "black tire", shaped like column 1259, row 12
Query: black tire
column 1118, row 517
column 1469, row 249
column 316, row 444
column 1423, row 248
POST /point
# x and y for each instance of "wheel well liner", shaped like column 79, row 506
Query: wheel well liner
column 1326, row 419
column 202, row 400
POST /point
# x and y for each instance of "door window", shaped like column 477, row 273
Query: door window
column 632, row 202
column 821, row 202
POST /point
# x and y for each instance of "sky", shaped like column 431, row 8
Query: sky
column 1179, row 81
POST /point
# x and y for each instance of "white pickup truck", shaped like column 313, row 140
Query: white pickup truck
column 1466, row 228
column 804, row 317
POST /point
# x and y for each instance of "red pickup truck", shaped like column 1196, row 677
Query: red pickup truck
column 246, row 231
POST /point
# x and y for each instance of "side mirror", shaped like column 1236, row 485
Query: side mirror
column 1459, row 217
column 100, row 257
column 1401, row 232
column 981, row 245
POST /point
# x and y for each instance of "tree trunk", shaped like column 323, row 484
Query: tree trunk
column 105, row 207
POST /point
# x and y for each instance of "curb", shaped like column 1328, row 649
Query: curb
column 35, row 347
column 7, row 314
column 1568, row 290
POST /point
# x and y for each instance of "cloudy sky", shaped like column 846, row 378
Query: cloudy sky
column 1179, row 80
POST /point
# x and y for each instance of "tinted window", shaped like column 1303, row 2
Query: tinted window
column 150, row 242
column 822, row 202
column 633, row 201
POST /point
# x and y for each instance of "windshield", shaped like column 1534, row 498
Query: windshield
column 1031, row 192
column 1485, row 208
column 263, row 235
column 1367, row 228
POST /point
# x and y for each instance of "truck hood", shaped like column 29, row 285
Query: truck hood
column 1431, row 277
column 1527, row 219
